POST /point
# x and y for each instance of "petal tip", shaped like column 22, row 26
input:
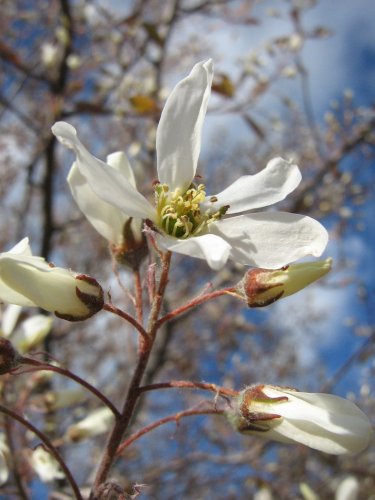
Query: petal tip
column 65, row 133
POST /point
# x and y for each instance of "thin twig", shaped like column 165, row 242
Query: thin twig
column 194, row 303
column 127, row 317
column 46, row 441
column 170, row 418
column 185, row 384
column 39, row 365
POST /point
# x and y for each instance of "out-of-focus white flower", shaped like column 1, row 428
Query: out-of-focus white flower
column 185, row 219
column 74, row 61
column 263, row 493
column 4, row 453
column 27, row 280
column 32, row 332
column 348, row 489
column 97, row 422
column 261, row 287
column 45, row 465
column 55, row 400
column 321, row 421
column 9, row 318
column 50, row 55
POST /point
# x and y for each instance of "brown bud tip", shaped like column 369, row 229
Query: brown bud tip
column 257, row 291
column 9, row 357
column 134, row 248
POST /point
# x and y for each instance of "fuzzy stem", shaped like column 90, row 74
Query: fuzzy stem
column 138, row 296
column 144, row 351
column 119, row 312
column 170, row 418
column 185, row 384
column 194, row 303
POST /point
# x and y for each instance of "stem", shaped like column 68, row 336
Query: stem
column 153, row 324
column 48, row 445
column 8, row 427
column 176, row 417
column 115, row 310
column 194, row 303
column 185, row 384
column 145, row 345
column 138, row 296
column 66, row 373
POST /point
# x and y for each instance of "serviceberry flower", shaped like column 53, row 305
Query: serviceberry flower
column 187, row 220
column 30, row 281
column 262, row 287
column 321, row 421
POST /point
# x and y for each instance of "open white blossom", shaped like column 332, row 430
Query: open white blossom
column 185, row 218
column 321, row 421
column 30, row 281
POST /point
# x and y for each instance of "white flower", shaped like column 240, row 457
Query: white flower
column 321, row 421
column 4, row 454
column 97, row 422
column 348, row 489
column 186, row 219
column 30, row 332
column 45, row 465
column 27, row 280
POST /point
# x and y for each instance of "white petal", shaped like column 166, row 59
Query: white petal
column 22, row 247
column 119, row 161
column 271, row 239
column 269, row 186
column 321, row 421
column 109, row 184
column 45, row 465
column 348, row 489
column 105, row 218
column 9, row 319
column 32, row 332
column 208, row 246
column 178, row 137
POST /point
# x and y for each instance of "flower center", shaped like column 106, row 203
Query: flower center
column 180, row 214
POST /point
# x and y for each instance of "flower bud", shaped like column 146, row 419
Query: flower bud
column 9, row 357
column 133, row 248
column 262, row 287
column 321, row 421
column 30, row 281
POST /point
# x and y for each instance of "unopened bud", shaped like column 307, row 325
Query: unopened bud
column 133, row 248
column 321, row 421
column 31, row 281
column 262, row 287
column 9, row 357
